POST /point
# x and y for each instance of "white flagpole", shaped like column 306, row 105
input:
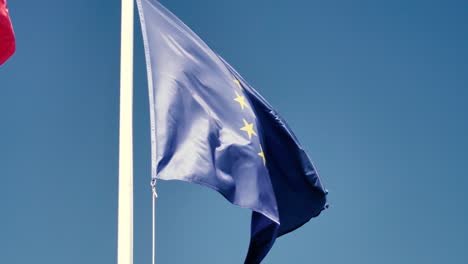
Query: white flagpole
column 125, row 215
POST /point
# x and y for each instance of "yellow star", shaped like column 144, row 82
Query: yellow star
column 238, row 83
column 249, row 129
column 261, row 154
column 241, row 100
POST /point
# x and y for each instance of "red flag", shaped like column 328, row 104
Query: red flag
column 7, row 37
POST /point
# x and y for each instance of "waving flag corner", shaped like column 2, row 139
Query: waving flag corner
column 7, row 36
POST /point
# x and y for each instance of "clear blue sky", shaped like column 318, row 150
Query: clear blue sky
column 375, row 90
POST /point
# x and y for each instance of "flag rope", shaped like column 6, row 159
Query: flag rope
column 154, row 197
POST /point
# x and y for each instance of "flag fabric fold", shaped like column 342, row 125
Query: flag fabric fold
column 7, row 37
column 210, row 127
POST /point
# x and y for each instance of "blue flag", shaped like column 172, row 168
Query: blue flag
column 210, row 127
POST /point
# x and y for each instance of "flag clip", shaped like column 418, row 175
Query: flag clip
column 153, row 188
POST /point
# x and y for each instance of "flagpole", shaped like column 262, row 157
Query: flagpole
column 125, row 214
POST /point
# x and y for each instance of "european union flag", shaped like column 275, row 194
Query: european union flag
column 210, row 127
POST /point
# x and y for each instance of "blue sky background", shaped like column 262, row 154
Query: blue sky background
column 375, row 90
